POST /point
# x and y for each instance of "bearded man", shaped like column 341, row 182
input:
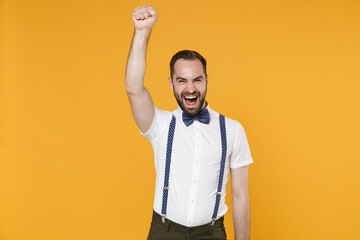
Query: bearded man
column 195, row 147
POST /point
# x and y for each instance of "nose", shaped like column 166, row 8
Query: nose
column 190, row 87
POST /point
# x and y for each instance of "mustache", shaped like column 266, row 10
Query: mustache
column 196, row 93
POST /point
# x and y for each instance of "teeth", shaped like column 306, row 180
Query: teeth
column 190, row 97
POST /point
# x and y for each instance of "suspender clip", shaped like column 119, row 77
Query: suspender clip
column 212, row 222
column 163, row 218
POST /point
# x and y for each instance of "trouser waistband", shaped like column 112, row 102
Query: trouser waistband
column 181, row 228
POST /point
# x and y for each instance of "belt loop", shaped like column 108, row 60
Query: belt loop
column 210, row 229
column 167, row 224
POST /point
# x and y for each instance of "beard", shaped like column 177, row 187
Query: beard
column 193, row 111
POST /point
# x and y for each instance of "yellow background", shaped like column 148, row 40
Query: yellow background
column 73, row 164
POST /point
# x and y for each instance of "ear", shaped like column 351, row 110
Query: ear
column 171, row 83
column 207, row 78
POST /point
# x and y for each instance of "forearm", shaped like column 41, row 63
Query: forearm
column 135, row 69
column 241, row 218
column 142, row 107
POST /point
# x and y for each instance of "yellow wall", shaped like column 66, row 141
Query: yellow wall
column 73, row 164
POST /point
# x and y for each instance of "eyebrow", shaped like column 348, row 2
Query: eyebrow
column 198, row 77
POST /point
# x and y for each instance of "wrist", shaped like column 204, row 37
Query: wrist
column 144, row 32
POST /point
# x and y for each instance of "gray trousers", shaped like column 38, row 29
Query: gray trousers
column 173, row 231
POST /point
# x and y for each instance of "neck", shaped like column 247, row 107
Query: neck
column 205, row 105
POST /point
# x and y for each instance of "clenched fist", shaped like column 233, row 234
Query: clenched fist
column 144, row 17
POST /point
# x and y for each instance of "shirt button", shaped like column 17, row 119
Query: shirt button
column 194, row 181
column 192, row 201
column 189, row 222
column 197, row 162
column 198, row 145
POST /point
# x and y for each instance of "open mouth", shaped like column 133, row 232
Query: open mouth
column 191, row 100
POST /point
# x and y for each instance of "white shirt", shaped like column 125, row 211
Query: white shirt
column 195, row 165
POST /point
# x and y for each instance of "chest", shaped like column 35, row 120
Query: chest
column 198, row 143
column 198, row 148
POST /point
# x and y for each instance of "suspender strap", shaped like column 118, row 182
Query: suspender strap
column 168, row 162
column 222, row 167
column 167, row 167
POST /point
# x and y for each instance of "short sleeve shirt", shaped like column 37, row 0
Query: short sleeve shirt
column 195, row 164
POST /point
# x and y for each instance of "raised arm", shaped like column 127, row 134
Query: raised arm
column 142, row 106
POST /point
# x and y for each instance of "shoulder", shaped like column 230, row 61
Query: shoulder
column 162, row 113
column 234, row 125
column 231, row 124
column 235, row 130
column 160, row 122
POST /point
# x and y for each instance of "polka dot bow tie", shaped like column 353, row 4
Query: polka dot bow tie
column 203, row 116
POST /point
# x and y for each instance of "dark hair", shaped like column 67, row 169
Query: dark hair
column 187, row 55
